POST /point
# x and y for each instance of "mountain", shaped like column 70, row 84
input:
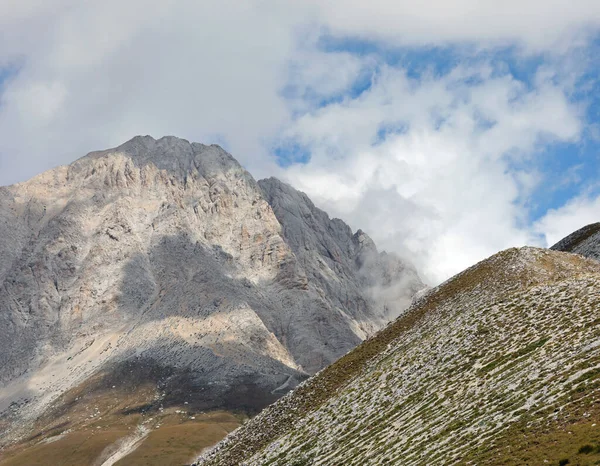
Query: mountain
column 498, row 365
column 386, row 281
column 585, row 241
column 145, row 285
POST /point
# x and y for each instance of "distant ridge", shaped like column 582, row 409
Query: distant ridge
column 585, row 241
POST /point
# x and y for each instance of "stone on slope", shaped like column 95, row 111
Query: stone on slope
column 498, row 365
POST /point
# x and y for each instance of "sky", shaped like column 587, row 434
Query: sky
column 447, row 130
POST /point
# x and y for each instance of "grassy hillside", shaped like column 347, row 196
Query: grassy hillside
column 90, row 423
column 499, row 365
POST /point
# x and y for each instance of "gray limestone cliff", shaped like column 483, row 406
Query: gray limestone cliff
column 167, row 254
column 374, row 284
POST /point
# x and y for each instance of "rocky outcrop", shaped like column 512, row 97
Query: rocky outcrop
column 169, row 253
column 585, row 241
column 346, row 265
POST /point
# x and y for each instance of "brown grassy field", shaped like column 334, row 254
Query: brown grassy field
column 87, row 424
column 174, row 439
column 179, row 444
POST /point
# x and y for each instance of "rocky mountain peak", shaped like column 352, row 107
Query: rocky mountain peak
column 167, row 258
column 363, row 241
column 176, row 157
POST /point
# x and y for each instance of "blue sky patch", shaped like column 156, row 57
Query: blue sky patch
column 387, row 130
column 6, row 73
column 415, row 60
column 291, row 152
column 566, row 168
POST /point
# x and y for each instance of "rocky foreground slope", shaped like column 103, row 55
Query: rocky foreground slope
column 160, row 275
column 498, row 365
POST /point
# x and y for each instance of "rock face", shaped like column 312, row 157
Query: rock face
column 167, row 255
column 585, row 241
column 346, row 266
column 499, row 365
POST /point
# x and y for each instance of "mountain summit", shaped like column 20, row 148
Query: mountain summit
column 161, row 273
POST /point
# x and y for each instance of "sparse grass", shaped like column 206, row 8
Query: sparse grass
column 94, row 415
column 575, row 435
column 463, row 376
column 179, row 444
column 175, row 442
column 513, row 356
column 76, row 449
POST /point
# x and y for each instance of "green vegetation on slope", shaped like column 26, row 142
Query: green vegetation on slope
column 176, row 442
column 492, row 349
column 573, row 436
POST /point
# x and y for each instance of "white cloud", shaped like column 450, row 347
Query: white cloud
column 208, row 71
column 439, row 189
column 317, row 74
column 533, row 24
column 578, row 212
